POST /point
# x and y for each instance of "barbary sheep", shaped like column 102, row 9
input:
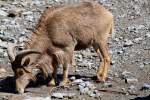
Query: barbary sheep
column 61, row 30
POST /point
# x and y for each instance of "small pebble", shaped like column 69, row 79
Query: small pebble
column 128, row 43
column 148, row 35
column 107, row 84
column 126, row 74
column 57, row 95
column 78, row 81
column 72, row 78
column 37, row 98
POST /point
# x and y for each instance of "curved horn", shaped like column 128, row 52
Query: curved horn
column 23, row 53
column 10, row 52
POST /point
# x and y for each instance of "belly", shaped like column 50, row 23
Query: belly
column 83, row 45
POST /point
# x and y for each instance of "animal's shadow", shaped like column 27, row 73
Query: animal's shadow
column 7, row 85
column 142, row 98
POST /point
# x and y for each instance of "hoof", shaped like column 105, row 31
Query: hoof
column 64, row 82
column 52, row 83
column 100, row 79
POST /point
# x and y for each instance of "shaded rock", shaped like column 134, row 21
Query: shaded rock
column 146, row 86
column 79, row 58
column 57, row 95
column 8, row 39
column 112, row 62
column 3, row 45
column 131, row 80
column 120, row 52
column 146, row 62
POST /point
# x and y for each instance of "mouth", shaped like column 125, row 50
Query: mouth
column 20, row 90
column 21, row 85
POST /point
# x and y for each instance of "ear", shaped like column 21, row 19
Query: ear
column 26, row 62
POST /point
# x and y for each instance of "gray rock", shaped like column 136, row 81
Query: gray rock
column 72, row 78
column 81, row 88
column 79, row 58
column 1, row 55
column 84, row 90
column 22, row 39
column 137, row 40
column 120, row 52
column 97, row 94
column 131, row 80
column 141, row 66
column 29, row 18
column 78, row 81
column 126, row 74
column 146, row 86
column 146, row 62
column 27, row 13
column 83, row 84
column 132, row 87
column 148, row 35
column 140, row 27
column 128, row 43
column 68, row 95
column 57, row 95
column 107, row 84
column 91, row 93
column 37, row 98
column 1, row 50
column 3, row 13
column 112, row 62
column 90, row 85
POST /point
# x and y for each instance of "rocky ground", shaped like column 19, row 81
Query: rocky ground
column 129, row 74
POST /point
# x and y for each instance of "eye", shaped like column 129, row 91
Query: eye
column 20, row 72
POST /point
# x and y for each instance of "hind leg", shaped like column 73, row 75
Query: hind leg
column 102, row 49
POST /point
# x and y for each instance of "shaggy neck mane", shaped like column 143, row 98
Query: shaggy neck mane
column 38, row 39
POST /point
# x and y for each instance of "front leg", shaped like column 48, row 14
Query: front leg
column 54, row 77
column 65, row 75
